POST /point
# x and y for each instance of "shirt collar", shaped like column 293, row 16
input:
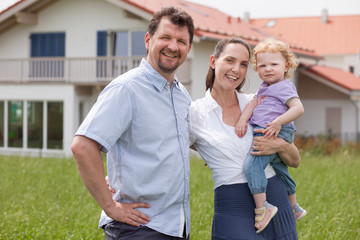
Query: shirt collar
column 211, row 104
column 156, row 78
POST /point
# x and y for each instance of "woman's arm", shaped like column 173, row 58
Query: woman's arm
column 288, row 152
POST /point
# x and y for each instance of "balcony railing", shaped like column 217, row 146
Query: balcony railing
column 59, row 69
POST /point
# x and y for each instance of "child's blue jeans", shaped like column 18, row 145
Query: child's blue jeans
column 255, row 165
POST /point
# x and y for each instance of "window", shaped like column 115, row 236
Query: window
column 101, row 52
column 121, row 49
column 47, row 45
column 123, row 44
column 55, row 125
column 41, row 127
column 351, row 69
column 35, row 124
column 138, row 44
column 271, row 23
column 1, row 124
column 15, row 122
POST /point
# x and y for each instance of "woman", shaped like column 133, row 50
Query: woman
column 212, row 121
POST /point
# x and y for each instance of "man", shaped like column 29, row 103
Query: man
column 140, row 120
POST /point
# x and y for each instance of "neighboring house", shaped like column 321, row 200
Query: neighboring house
column 57, row 55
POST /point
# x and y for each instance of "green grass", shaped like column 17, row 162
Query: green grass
column 46, row 199
column 328, row 187
column 201, row 200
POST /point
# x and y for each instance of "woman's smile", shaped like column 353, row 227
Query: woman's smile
column 231, row 77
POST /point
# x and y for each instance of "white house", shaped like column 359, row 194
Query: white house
column 57, row 55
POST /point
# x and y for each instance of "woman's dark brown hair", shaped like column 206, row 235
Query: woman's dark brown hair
column 220, row 46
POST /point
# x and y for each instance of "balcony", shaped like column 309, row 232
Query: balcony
column 76, row 70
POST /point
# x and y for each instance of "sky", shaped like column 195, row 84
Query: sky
column 271, row 8
column 283, row 8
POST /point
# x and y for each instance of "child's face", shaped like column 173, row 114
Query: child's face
column 271, row 66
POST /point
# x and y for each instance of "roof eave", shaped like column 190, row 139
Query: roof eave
column 133, row 8
column 22, row 12
column 309, row 55
column 318, row 77
column 13, row 9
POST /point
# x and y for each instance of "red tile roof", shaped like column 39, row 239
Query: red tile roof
column 206, row 19
column 339, row 35
column 338, row 76
column 212, row 23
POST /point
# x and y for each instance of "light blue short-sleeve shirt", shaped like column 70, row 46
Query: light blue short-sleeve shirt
column 142, row 124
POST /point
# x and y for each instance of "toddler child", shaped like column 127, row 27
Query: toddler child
column 274, row 109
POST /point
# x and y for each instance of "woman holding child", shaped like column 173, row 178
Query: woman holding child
column 212, row 133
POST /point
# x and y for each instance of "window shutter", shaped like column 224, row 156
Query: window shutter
column 101, row 43
column 47, row 45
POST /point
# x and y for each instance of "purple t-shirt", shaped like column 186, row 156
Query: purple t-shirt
column 273, row 101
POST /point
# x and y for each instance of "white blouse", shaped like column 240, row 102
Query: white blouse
column 223, row 151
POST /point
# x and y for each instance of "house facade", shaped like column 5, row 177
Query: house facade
column 57, row 55
column 54, row 64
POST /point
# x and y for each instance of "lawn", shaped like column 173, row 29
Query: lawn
column 45, row 199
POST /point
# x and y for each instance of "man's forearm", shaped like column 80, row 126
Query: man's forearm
column 89, row 163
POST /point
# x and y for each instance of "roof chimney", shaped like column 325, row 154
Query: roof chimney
column 246, row 17
column 324, row 16
column 229, row 19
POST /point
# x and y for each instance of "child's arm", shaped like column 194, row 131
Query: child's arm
column 296, row 109
column 241, row 126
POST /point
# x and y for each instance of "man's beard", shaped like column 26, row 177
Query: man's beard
column 168, row 69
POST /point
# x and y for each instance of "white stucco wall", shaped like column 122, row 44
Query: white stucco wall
column 200, row 64
column 335, row 61
column 343, row 62
column 87, row 101
column 352, row 60
column 312, row 122
column 15, row 43
column 79, row 19
column 252, row 81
